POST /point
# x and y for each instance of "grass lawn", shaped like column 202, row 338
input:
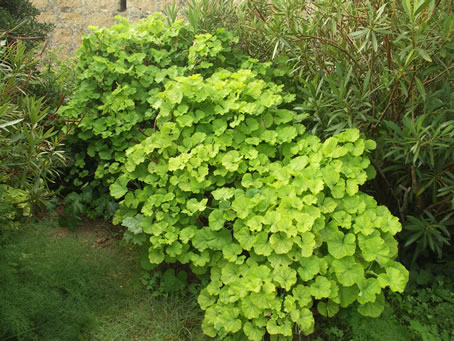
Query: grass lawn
column 84, row 285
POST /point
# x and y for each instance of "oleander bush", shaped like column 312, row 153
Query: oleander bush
column 30, row 142
column 30, row 146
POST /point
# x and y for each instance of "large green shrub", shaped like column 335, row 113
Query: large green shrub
column 384, row 67
column 121, row 70
column 214, row 171
column 230, row 184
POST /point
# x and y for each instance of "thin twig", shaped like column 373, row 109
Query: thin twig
column 329, row 42
column 439, row 75
column 390, row 101
column 142, row 132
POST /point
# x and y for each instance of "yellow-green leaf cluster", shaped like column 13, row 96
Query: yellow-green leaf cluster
column 233, row 186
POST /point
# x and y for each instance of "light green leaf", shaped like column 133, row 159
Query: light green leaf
column 286, row 134
column 365, row 223
column 174, row 92
column 373, row 247
column 229, row 273
column 328, row 205
column 308, row 244
column 241, row 206
column 290, row 304
column 310, row 267
column 398, row 277
column 244, row 237
column 348, row 295
column 285, row 276
column 147, row 224
column 338, row 190
column 392, row 225
column 205, row 300
column 358, row 148
column 155, row 255
column 200, row 260
column 352, row 186
column 373, row 309
column 368, row 290
column 340, row 245
column 186, row 233
column 298, row 163
column 283, row 116
column 329, row 146
column 255, row 223
column 133, row 223
column 216, row 220
column 159, row 228
column 330, row 176
column 349, row 135
column 264, row 300
column 321, row 287
column 119, row 187
column 231, row 251
column 306, row 321
column 370, row 145
column 223, row 193
column 262, row 245
column 348, row 271
column 219, row 126
column 252, row 332
column 231, row 160
column 249, row 309
column 230, row 321
column 185, row 120
column 282, row 328
column 302, row 295
column 193, row 206
column 280, row 243
column 343, row 219
column 209, row 319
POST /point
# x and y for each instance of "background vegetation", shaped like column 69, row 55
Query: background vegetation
column 383, row 67
column 21, row 15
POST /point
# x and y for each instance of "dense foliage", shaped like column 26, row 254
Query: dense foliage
column 384, row 67
column 214, row 170
column 29, row 145
column 207, row 159
column 120, row 72
column 233, row 186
